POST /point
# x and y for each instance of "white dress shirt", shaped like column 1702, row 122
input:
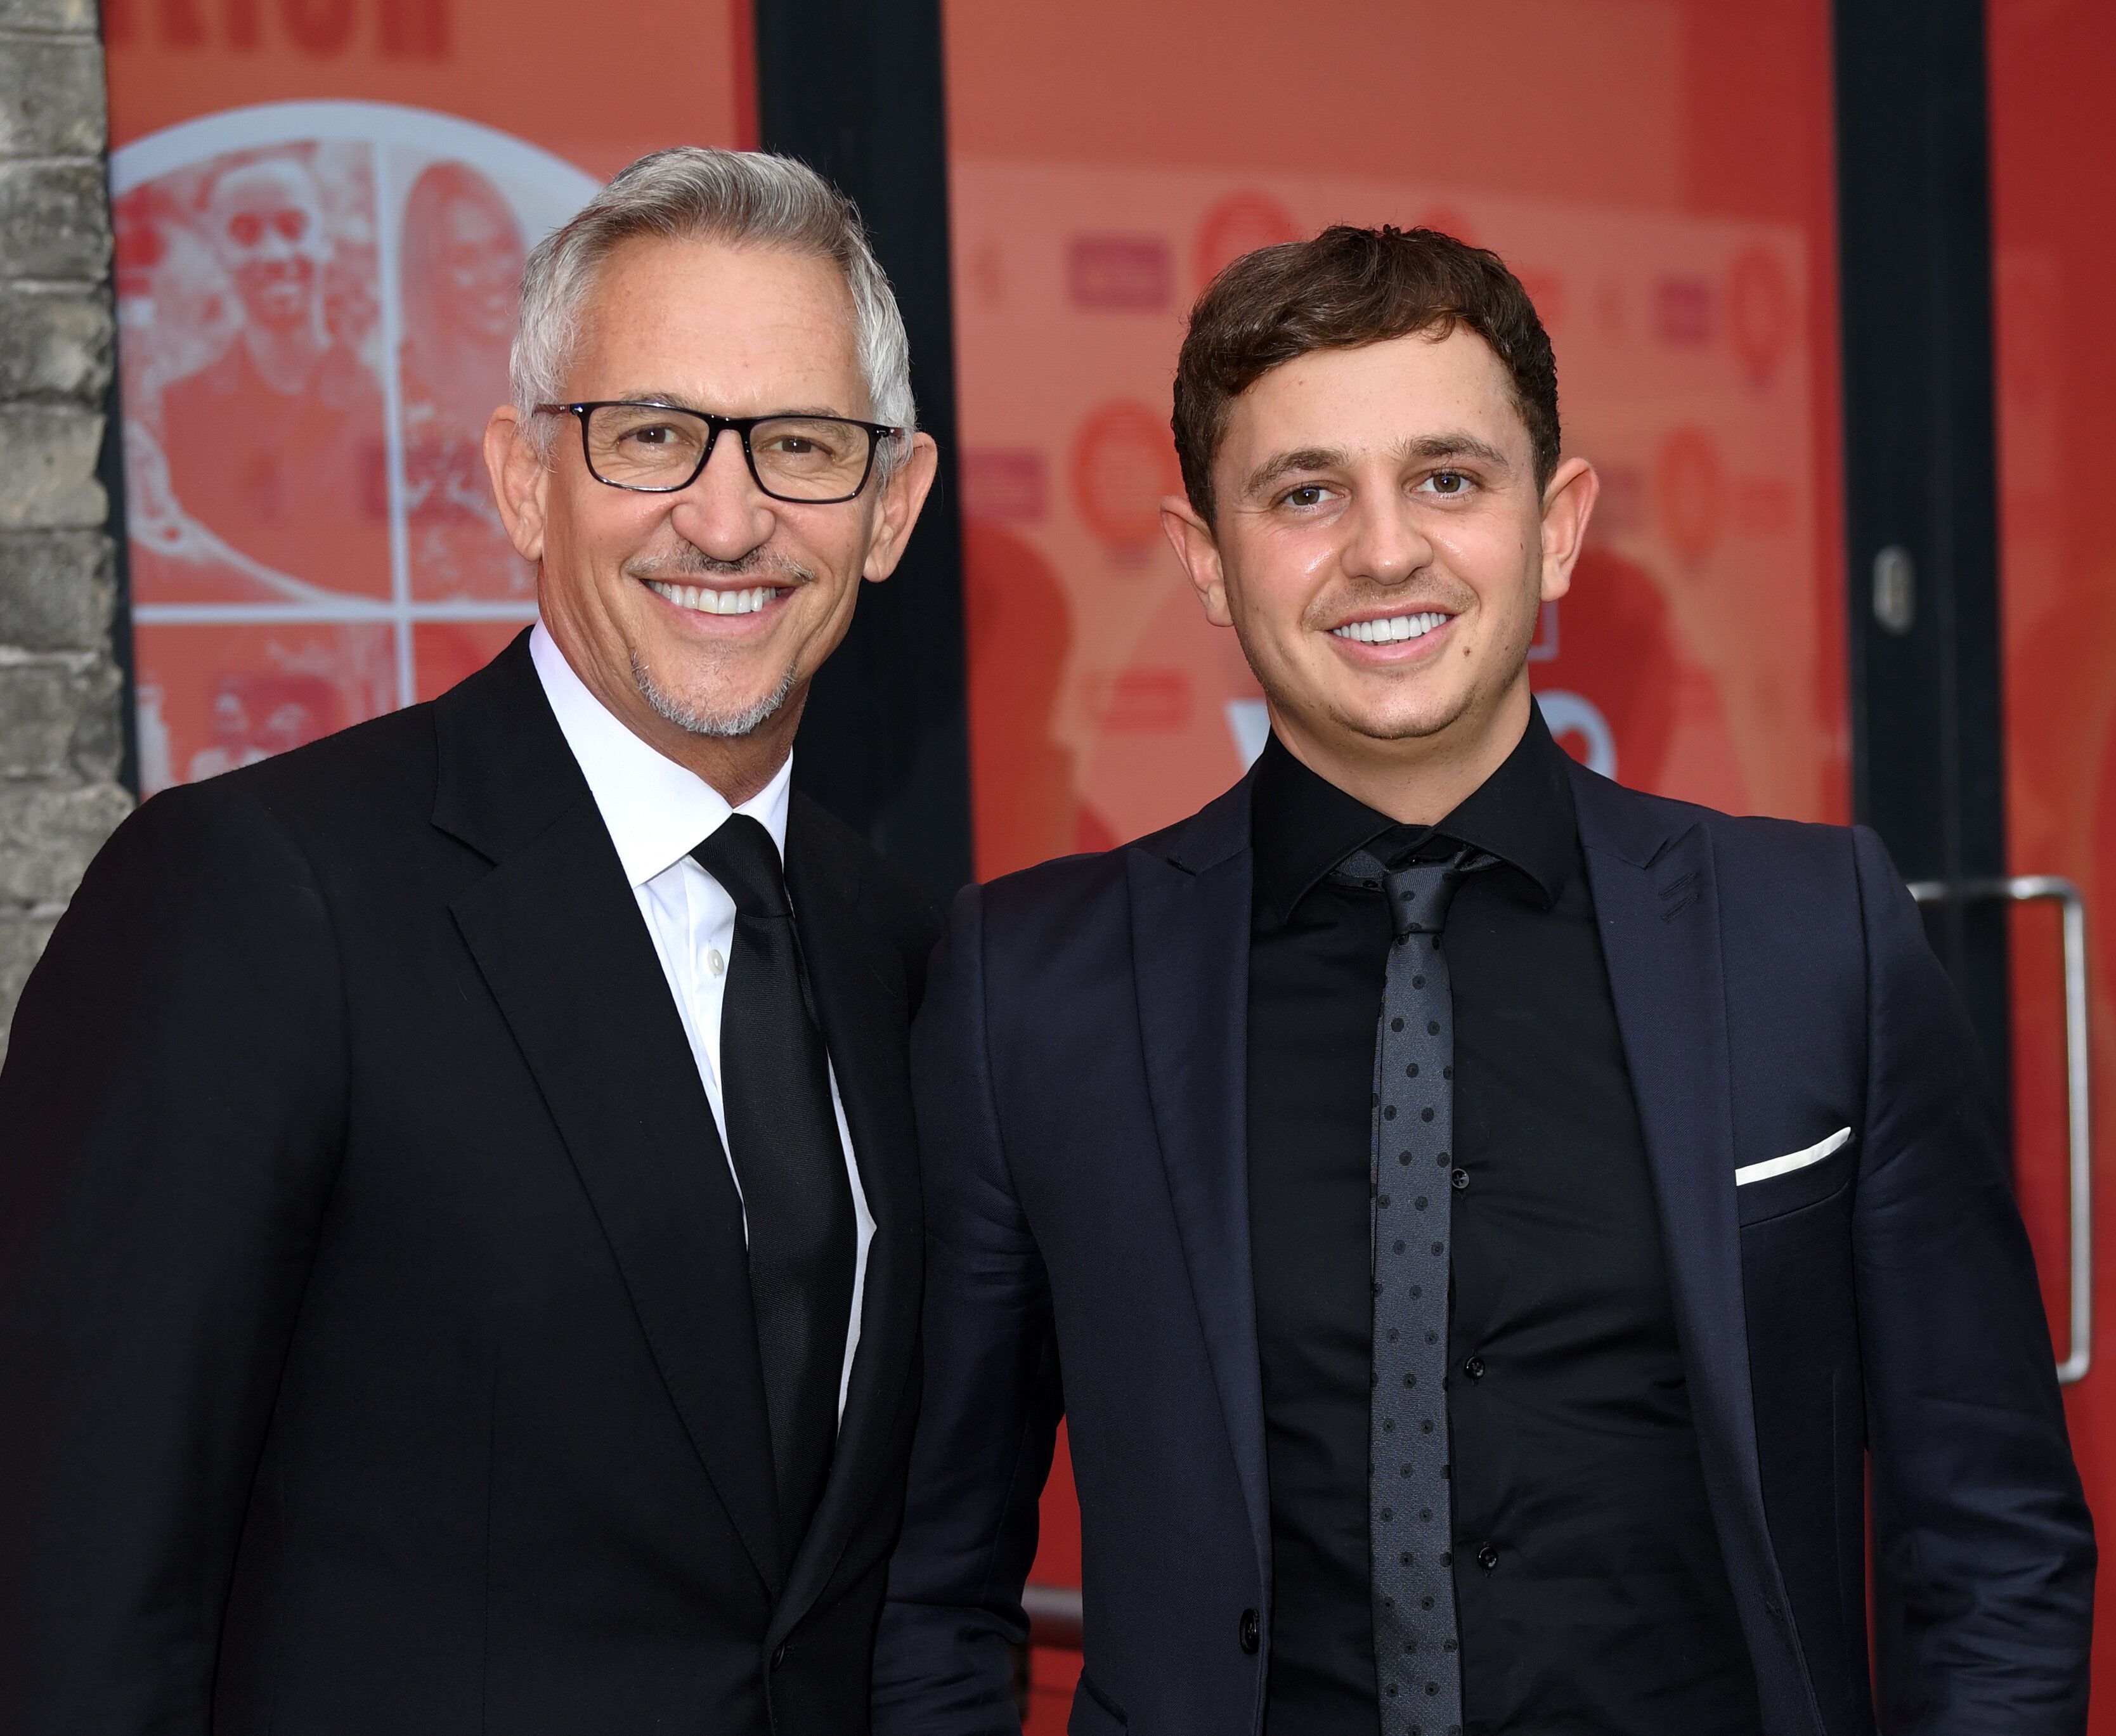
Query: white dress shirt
column 657, row 813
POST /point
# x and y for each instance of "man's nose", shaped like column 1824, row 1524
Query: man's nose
column 723, row 513
column 1387, row 543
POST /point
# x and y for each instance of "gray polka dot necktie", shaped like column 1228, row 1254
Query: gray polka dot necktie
column 1409, row 1517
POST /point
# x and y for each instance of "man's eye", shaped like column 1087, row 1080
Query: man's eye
column 1448, row 482
column 1307, row 494
column 658, row 434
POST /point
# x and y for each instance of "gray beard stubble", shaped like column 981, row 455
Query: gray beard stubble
column 695, row 720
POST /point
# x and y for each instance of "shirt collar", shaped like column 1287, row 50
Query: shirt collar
column 1304, row 825
column 657, row 811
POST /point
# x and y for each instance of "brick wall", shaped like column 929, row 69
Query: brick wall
column 59, row 688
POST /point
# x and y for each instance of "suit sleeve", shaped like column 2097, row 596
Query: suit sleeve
column 992, row 1402
column 1986, row 1549
column 170, row 1113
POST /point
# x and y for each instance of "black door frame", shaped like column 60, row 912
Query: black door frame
column 856, row 91
column 1920, row 472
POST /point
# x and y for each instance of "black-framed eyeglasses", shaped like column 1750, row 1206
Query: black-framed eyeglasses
column 663, row 448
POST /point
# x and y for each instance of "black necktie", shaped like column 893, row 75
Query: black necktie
column 1410, row 1510
column 783, row 1140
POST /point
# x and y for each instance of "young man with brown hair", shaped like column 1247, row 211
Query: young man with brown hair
column 1482, row 1337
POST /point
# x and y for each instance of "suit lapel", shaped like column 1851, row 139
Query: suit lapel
column 862, row 1003
column 557, row 935
column 1657, row 902
column 1190, row 893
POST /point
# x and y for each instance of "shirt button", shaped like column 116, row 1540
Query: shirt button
column 714, row 962
column 1487, row 1557
column 1461, row 1178
column 1251, row 1632
column 1474, row 1368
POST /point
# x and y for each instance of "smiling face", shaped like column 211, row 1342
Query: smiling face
column 1382, row 549
column 267, row 224
column 699, row 619
column 481, row 261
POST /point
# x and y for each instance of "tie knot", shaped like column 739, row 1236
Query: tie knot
column 1419, row 895
column 742, row 858
column 1418, row 892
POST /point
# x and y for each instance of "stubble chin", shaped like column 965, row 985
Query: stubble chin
column 718, row 716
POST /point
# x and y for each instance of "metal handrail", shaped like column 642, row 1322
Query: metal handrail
column 2028, row 888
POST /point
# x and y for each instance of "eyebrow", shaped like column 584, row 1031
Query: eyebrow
column 1282, row 464
column 1428, row 447
column 681, row 401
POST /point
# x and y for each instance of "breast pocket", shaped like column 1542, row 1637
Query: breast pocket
column 1775, row 1186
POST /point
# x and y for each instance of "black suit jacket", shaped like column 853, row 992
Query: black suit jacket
column 1080, row 1069
column 375, row 1337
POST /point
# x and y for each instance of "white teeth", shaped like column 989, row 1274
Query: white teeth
column 707, row 601
column 1397, row 627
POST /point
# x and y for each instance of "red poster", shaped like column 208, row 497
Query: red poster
column 322, row 213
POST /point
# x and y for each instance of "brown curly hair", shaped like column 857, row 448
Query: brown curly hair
column 1345, row 289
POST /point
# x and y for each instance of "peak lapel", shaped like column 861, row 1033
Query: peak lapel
column 1190, row 891
column 1657, row 902
column 557, row 935
column 862, row 1003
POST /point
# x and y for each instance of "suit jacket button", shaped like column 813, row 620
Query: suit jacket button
column 1251, row 1632
column 1487, row 1557
column 779, row 1657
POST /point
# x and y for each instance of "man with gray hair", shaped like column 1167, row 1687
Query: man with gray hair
column 460, row 1243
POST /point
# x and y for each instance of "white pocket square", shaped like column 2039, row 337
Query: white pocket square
column 1791, row 1161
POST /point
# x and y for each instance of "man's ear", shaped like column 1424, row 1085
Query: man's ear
column 903, row 499
column 1567, row 504
column 1195, row 546
column 520, row 480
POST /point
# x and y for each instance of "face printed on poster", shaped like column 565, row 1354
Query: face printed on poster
column 316, row 302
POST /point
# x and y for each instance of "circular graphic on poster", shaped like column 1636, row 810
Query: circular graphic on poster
column 1760, row 312
column 315, row 301
column 1689, row 491
column 1240, row 223
column 1124, row 461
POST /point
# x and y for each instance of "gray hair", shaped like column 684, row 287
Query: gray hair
column 744, row 198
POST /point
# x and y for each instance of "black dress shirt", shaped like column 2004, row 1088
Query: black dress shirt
column 1591, row 1591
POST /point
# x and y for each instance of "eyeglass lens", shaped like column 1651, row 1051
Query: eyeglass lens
column 796, row 457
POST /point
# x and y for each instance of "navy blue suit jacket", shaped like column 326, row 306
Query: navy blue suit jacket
column 1079, row 1074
